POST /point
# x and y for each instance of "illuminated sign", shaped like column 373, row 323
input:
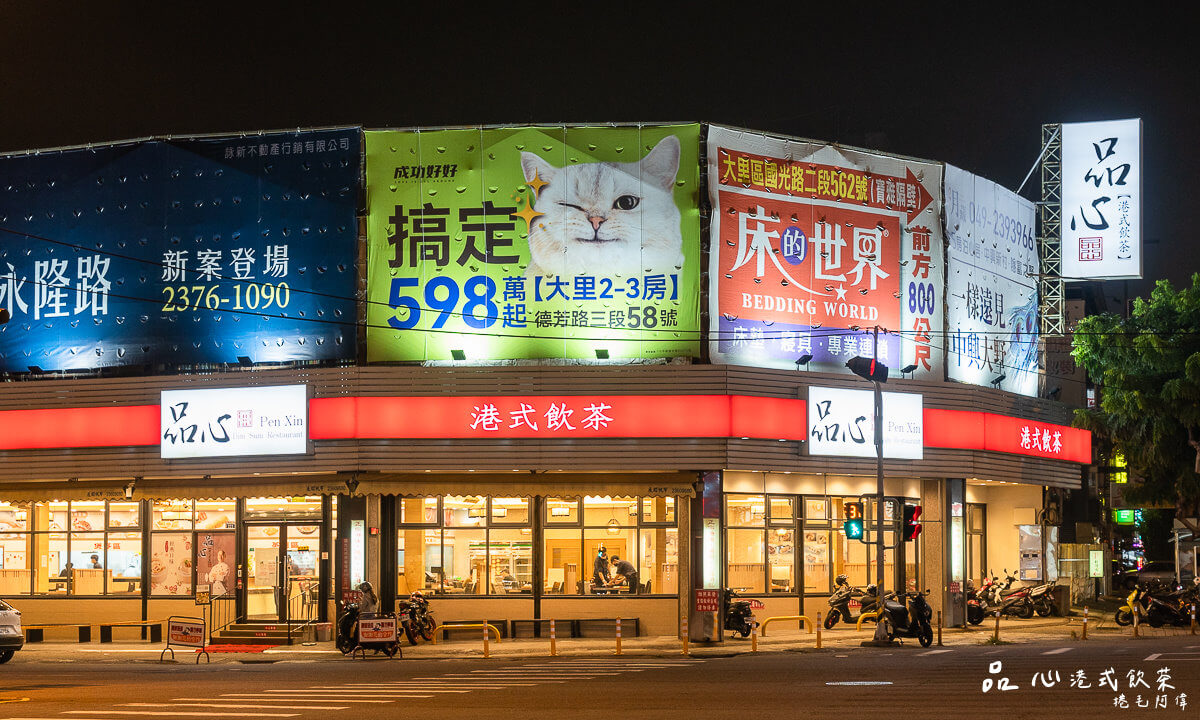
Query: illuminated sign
column 234, row 422
column 1124, row 517
column 841, row 422
column 1102, row 200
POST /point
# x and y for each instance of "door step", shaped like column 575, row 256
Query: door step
column 268, row 633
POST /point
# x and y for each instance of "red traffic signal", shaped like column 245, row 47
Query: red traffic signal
column 868, row 368
column 912, row 528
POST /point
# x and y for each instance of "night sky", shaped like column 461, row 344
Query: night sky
column 971, row 89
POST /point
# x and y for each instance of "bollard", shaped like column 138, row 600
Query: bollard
column 1136, row 615
column 553, row 646
column 1193, row 618
column 486, row 649
column 753, row 633
column 939, row 628
column 618, row 637
column 1085, row 621
column 686, row 649
column 996, row 634
column 819, row 626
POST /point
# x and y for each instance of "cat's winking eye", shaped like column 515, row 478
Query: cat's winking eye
column 626, row 202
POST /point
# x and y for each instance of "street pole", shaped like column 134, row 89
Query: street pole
column 880, row 631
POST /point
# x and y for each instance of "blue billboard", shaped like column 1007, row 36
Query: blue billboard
column 181, row 251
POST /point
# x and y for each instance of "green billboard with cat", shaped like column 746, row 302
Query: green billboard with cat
column 504, row 243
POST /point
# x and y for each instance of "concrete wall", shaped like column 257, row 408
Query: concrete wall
column 1007, row 507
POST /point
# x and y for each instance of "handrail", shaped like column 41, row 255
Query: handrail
column 465, row 626
column 801, row 618
column 222, row 614
column 873, row 614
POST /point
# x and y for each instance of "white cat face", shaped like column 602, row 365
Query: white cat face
column 606, row 219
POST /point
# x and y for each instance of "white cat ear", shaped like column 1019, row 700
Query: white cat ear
column 533, row 166
column 662, row 162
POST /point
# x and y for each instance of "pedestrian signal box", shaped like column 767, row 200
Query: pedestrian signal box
column 853, row 514
column 912, row 528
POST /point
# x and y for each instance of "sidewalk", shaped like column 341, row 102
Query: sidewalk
column 780, row 638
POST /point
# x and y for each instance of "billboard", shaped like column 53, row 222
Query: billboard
column 813, row 245
column 180, row 251
column 1102, row 200
column 991, row 285
column 493, row 244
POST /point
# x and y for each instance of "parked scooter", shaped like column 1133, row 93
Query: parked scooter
column 976, row 602
column 908, row 619
column 352, row 617
column 737, row 613
column 1011, row 602
column 839, row 602
column 416, row 618
column 1135, row 603
column 1172, row 607
column 1042, row 599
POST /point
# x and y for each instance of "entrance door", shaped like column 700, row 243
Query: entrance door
column 284, row 578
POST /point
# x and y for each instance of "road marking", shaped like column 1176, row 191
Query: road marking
column 861, row 682
column 279, row 698
column 1155, row 656
column 930, row 652
column 213, row 705
column 177, row 714
column 993, row 652
column 1058, row 651
column 1175, row 656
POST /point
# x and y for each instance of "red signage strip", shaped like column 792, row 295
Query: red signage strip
column 79, row 427
column 1002, row 433
column 549, row 416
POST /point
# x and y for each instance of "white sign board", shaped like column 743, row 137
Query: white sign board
column 1102, row 200
column 234, row 422
column 842, row 422
column 991, row 285
column 376, row 629
column 185, row 631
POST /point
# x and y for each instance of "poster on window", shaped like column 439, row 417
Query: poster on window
column 991, row 285
column 214, row 562
column 180, row 251
column 171, row 564
column 813, row 245
column 562, row 242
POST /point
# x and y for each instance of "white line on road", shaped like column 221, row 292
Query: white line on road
column 933, row 652
column 176, row 714
column 280, row 698
column 1058, row 651
column 373, row 690
column 861, row 682
column 1148, row 659
column 993, row 652
column 214, row 705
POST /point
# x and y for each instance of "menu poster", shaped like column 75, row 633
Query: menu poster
column 171, row 564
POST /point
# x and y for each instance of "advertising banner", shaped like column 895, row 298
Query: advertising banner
column 227, row 422
column 185, row 631
column 180, row 251
column 842, row 422
column 491, row 244
column 991, row 285
column 813, row 245
column 1102, row 200
column 373, row 629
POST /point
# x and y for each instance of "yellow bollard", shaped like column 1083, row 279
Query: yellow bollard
column 939, row 628
column 618, row 636
column 486, row 649
column 553, row 646
column 753, row 633
column 996, row 634
column 819, row 626
column 686, row 649
column 1085, row 622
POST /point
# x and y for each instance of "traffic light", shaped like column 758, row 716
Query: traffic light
column 853, row 513
column 912, row 528
column 868, row 368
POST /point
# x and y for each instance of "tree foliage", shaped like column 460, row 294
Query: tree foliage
column 1148, row 370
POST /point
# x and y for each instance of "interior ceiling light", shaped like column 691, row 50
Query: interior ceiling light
column 614, row 528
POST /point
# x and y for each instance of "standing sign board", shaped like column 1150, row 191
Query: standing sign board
column 376, row 629
column 1102, row 200
column 488, row 244
column 812, row 245
column 991, row 285
column 181, row 251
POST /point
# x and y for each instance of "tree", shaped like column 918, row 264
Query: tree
column 1148, row 370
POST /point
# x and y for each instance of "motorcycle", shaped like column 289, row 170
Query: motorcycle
column 737, row 613
column 976, row 601
column 416, row 618
column 839, row 602
column 1135, row 603
column 1042, row 599
column 1172, row 607
column 909, row 618
column 1010, row 602
column 348, row 639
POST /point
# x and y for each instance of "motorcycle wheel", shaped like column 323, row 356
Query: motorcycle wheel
column 1155, row 619
column 832, row 618
column 1045, row 609
column 410, row 633
column 925, row 635
column 1124, row 617
column 427, row 629
column 1024, row 611
column 6, row 655
column 974, row 614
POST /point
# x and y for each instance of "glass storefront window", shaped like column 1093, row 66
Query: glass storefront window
column 782, row 511
column 171, row 515
column 464, row 560
column 284, row 508
column 59, row 521
column 123, row 552
column 514, row 511
column 658, row 510
column 418, row 510
column 781, row 558
column 565, row 571
column 816, row 560
column 561, row 511
column 745, row 510
column 464, row 511
column 216, row 514
column 171, row 563
column 659, row 560
column 124, row 515
column 510, row 561
column 745, row 561
column 13, row 517
column 610, row 511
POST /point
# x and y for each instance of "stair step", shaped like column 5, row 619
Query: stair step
column 236, row 639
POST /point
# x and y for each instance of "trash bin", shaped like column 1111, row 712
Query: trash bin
column 1062, row 599
column 324, row 631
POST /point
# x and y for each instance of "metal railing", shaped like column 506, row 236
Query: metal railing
column 222, row 614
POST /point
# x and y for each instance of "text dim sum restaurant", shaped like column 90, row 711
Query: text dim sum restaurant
column 323, row 367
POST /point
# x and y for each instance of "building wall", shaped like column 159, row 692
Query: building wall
column 1007, row 507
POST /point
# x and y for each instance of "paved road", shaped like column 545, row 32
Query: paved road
column 934, row 682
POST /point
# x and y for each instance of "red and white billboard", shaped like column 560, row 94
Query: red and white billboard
column 813, row 245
